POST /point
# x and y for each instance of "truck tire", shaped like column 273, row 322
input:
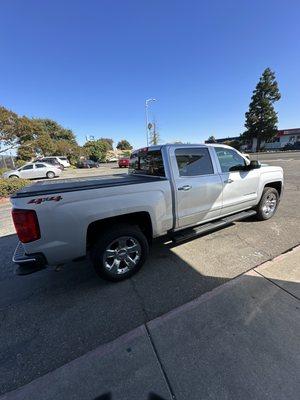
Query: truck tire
column 267, row 206
column 120, row 252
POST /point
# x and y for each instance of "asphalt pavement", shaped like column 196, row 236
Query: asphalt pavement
column 50, row 318
column 238, row 341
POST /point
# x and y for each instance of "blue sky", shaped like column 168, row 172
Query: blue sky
column 91, row 64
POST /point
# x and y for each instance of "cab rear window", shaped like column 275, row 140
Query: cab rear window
column 147, row 162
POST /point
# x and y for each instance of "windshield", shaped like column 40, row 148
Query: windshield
column 147, row 162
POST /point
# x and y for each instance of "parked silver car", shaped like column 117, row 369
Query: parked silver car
column 33, row 171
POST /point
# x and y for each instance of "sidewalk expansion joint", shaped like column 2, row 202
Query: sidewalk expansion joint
column 168, row 383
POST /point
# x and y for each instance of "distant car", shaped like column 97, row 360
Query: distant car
column 52, row 161
column 123, row 162
column 33, row 171
column 112, row 159
column 88, row 164
column 62, row 160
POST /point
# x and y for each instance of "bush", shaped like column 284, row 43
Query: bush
column 11, row 185
column 19, row 163
column 2, row 170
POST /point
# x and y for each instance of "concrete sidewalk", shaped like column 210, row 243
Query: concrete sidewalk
column 6, row 222
column 239, row 341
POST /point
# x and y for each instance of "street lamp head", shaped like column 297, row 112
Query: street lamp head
column 148, row 100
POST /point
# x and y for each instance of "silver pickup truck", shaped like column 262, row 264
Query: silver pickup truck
column 181, row 191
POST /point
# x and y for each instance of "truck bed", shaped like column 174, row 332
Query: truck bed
column 74, row 184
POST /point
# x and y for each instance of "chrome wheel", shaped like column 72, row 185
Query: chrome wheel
column 269, row 205
column 122, row 254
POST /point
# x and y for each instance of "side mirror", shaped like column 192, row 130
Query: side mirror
column 254, row 164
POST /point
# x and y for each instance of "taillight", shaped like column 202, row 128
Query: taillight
column 27, row 225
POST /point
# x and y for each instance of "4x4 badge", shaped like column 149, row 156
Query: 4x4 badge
column 42, row 199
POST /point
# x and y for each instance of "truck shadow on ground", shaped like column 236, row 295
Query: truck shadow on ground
column 50, row 318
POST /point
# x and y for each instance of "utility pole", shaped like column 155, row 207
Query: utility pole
column 147, row 102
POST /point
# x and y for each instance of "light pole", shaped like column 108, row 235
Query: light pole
column 146, row 116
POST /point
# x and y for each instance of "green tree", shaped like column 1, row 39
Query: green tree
column 96, row 150
column 54, row 130
column 211, row 139
column 236, row 144
column 54, row 139
column 14, row 130
column 36, row 136
column 44, row 145
column 124, row 145
column 109, row 142
column 8, row 134
column 261, row 118
column 154, row 134
column 126, row 153
column 25, row 152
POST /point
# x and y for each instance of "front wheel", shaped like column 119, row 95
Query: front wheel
column 268, row 204
column 50, row 175
column 120, row 252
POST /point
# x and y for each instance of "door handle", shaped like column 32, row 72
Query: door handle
column 228, row 180
column 185, row 187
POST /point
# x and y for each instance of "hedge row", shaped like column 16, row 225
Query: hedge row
column 9, row 186
column 2, row 170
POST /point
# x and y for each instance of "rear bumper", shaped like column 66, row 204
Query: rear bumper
column 28, row 263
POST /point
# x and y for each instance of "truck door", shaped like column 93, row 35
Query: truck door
column 198, row 186
column 239, row 186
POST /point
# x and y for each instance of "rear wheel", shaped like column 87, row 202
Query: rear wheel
column 50, row 175
column 120, row 252
column 267, row 206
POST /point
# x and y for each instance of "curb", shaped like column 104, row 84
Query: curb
column 219, row 289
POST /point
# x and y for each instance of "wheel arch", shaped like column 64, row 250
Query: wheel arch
column 276, row 185
column 141, row 219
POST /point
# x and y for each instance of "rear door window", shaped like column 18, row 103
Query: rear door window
column 194, row 161
column 146, row 162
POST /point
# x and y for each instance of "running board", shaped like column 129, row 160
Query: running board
column 186, row 234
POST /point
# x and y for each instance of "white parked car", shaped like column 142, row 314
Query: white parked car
column 112, row 159
column 61, row 159
column 33, row 171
